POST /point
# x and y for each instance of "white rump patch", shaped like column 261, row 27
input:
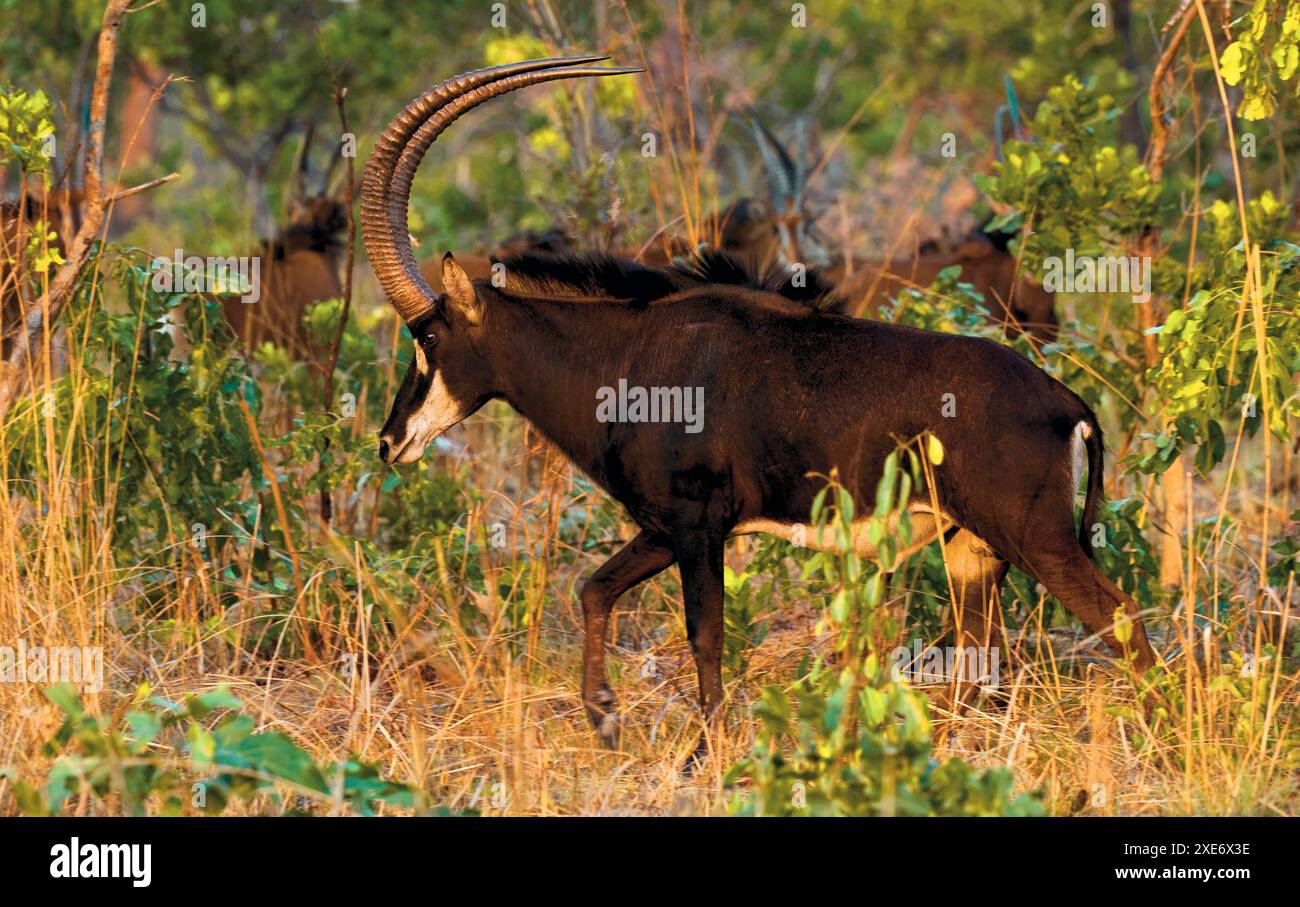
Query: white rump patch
column 1078, row 457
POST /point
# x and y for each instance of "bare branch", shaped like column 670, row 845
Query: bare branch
column 143, row 187
column 1156, row 153
column 340, row 97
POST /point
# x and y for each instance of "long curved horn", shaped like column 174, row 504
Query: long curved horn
column 386, row 184
column 302, row 164
column 782, row 172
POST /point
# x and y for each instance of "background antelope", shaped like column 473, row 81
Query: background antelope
column 479, row 266
column 783, row 231
column 863, row 286
column 790, row 392
column 300, row 266
column 60, row 210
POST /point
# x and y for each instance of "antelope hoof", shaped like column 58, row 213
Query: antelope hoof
column 600, row 709
column 696, row 760
column 610, row 730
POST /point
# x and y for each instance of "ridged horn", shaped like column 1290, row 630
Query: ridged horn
column 386, row 184
column 782, row 172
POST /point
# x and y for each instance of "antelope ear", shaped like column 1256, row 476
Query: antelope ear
column 459, row 291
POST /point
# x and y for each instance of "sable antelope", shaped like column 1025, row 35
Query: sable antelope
column 789, row 391
column 300, row 266
column 1021, row 304
column 61, row 210
column 863, row 286
column 479, row 267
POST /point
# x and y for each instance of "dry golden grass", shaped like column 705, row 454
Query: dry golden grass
column 492, row 721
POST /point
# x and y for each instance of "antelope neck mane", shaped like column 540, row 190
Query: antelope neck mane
column 587, row 278
column 607, row 278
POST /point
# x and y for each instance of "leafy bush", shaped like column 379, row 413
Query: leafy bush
column 26, row 126
column 171, row 434
column 864, row 752
column 1205, row 351
column 162, row 755
column 858, row 741
column 1266, row 52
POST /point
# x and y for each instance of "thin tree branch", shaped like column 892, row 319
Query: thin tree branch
column 143, row 187
column 1156, row 149
column 59, row 292
column 340, row 98
column 340, row 95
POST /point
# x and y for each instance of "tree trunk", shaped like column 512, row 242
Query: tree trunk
column 138, row 139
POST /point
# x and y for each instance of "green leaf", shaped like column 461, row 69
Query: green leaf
column 66, row 698
column 30, row 801
column 274, row 754
column 1230, row 64
column 873, row 707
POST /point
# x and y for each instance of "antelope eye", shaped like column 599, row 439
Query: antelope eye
column 430, row 338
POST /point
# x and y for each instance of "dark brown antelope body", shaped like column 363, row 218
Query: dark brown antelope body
column 785, row 391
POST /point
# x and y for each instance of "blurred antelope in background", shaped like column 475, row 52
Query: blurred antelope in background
column 784, row 231
column 1016, row 301
column 59, row 209
column 300, row 266
column 479, row 266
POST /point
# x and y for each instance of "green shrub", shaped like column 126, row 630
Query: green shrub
column 857, row 742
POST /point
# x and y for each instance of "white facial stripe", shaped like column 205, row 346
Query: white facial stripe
column 440, row 409
column 439, row 412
